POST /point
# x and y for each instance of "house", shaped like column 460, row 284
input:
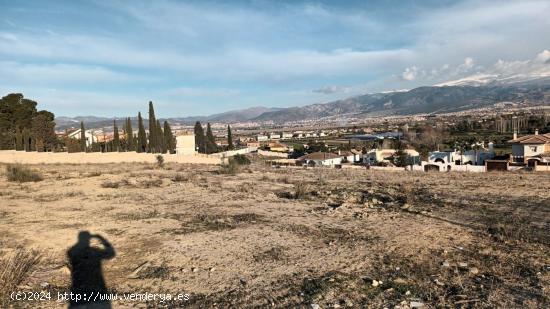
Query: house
column 185, row 144
column 278, row 147
column 274, row 136
column 348, row 156
column 473, row 157
column 253, row 144
column 262, row 138
column 527, row 148
column 90, row 135
column 286, row 135
column 375, row 156
column 321, row 159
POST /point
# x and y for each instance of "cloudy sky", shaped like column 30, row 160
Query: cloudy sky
column 109, row 58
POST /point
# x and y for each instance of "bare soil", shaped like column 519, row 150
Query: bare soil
column 283, row 238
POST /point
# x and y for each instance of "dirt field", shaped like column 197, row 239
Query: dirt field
column 284, row 238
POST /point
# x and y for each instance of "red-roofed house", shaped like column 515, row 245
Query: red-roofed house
column 530, row 147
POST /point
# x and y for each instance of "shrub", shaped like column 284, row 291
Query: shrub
column 21, row 173
column 233, row 164
column 160, row 160
column 110, row 184
column 180, row 177
column 240, row 159
column 230, row 168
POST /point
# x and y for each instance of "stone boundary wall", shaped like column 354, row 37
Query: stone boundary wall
column 12, row 156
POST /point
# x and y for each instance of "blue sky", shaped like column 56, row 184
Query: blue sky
column 109, row 58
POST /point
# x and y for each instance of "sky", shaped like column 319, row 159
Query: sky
column 110, row 58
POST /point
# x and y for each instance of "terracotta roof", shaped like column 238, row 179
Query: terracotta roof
column 320, row 156
column 532, row 139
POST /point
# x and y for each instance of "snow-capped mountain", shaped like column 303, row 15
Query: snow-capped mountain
column 508, row 73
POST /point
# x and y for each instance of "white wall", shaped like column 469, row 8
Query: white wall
column 185, row 144
column 266, row 153
column 231, row 153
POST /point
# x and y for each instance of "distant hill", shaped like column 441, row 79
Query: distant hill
column 432, row 99
column 63, row 123
column 419, row 100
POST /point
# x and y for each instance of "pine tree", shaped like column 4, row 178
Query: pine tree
column 82, row 137
column 168, row 138
column 230, row 145
column 142, row 137
column 200, row 142
column 400, row 157
column 26, row 139
column 153, row 145
column 18, row 140
column 211, row 146
column 116, row 138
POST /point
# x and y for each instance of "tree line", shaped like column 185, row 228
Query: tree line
column 23, row 127
column 206, row 142
column 159, row 139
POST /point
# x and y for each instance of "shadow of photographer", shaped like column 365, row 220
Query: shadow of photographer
column 86, row 272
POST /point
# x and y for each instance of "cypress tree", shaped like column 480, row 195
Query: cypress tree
column 130, row 141
column 116, row 138
column 168, row 138
column 82, row 137
column 142, row 137
column 200, row 142
column 153, row 145
column 211, row 146
column 160, row 137
column 230, row 145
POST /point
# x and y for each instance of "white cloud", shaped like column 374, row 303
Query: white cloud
column 543, row 57
column 331, row 89
column 232, row 63
column 410, row 73
column 15, row 72
column 512, row 70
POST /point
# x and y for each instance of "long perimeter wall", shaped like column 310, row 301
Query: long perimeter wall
column 12, row 156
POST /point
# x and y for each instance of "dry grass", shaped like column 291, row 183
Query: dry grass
column 21, row 173
column 14, row 269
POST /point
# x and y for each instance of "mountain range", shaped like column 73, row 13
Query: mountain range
column 467, row 93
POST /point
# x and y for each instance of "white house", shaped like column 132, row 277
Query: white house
column 350, row 156
column 375, row 156
column 530, row 147
column 262, row 138
column 90, row 135
column 185, row 144
column 473, row 157
column 274, row 136
column 286, row 135
column 321, row 159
